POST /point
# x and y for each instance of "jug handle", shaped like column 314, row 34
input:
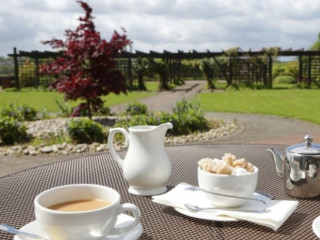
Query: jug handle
column 112, row 133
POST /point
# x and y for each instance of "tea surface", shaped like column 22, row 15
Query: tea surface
column 80, row 205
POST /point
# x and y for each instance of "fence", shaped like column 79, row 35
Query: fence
column 245, row 67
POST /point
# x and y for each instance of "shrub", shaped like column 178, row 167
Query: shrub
column 83, row 112
column 136, row 108
column 28, row 113
column 12, row 131
column 186, row 118
column 292, row 69
column 278, row 69
column 10, row 111
column 19, row 113
column 64, row 109
column 285, row 79
column 85, row 131
column 104, row 111
column 134, row 121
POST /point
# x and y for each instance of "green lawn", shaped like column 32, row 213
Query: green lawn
column 300, row 104
column 46, row 99
column 292, row 103
column 152, row 86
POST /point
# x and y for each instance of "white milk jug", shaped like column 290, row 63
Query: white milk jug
column 146, row 166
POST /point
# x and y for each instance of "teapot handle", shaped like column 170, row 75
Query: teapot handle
column 115, row 155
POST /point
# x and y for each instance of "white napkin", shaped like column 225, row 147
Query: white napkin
column 277, row 212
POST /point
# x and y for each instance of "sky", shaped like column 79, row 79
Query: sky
column 170, row 25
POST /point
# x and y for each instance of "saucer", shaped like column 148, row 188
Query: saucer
column 316, row 226
column 206, row 215
column 123, row 219
column 147, row 192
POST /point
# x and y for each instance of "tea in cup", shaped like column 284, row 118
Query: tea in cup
column 80, row 205
column 82, row 211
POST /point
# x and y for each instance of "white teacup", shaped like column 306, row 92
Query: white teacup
column 235, row 185
column 82, row 225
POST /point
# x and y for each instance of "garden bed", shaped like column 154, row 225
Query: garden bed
column 55, row 127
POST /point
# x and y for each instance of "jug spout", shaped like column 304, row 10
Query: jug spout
column 162, row 128
column 165, row 126
column 278, row 161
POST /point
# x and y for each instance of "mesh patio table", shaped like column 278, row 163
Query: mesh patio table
column 18, row 190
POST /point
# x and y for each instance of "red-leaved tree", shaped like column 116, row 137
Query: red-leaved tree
column 86, row 70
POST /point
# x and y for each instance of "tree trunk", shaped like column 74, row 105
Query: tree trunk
column 141, row 85
column 210, row 84
column 163, row 84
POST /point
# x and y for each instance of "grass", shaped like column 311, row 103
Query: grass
column 46, row 99
column 291, row 103
column 299, row 104
column 152, row 86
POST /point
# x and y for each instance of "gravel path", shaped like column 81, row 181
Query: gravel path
column 266, row 129
column 166, row 100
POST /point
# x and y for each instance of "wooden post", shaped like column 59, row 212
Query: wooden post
column 309, row 71
column 171, row 71
column 37, row 71
column 230, row 72
column 270, row 72
column 129, row 72
column 179, row 69
column 300, row 70
column 176, row 80
column 176, row 77
column 16, row 67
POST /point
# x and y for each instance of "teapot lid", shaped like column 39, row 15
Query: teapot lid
column 306, row 148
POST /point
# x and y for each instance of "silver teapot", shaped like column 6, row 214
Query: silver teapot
column 299, row 168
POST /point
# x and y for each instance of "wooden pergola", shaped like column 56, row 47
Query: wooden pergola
column 173, row 59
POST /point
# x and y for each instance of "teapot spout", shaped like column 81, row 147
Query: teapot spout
column 278, row 161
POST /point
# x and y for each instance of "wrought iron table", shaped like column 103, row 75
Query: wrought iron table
column 18, row 190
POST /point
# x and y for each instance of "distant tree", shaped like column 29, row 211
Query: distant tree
column 208, row 66
column 315, row 61
column 6, row 66
column 141, row 68
column 161, row 68
column 278, row 69
column 233, row 57
column 190, row 68
column 87, row 68
column 316, row 45
column 292, row 69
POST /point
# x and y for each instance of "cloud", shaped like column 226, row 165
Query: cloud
column 166, row 24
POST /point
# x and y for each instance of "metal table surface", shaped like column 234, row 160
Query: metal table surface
column 18, row 190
